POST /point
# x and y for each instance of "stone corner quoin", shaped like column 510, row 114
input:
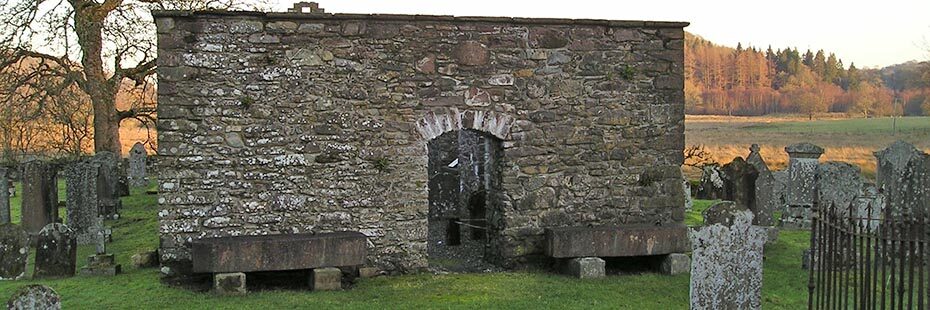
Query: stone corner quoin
column 274, row 123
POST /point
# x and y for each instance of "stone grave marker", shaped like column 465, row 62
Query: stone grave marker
column 56, row 252
column 4, row 197
column 40, row 196
column 800, row 184
column 83, row 180
column 739, row 182
column 726, row 262
column 108, row 198
column 34, row 297
column 101, row 263
column 755, row 159
column 838, row 184
column 14, row 251
column 711, row 186
column 137, row 161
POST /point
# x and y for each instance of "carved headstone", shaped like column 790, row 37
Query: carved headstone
column 14, row 251
column 35, row 297
column 801, row 184
column 711, row 183
column 726, row 262
column 869, row 206
column 56, row 252
column 137, row 159
column 767, row 199
column 4, row 197
column 108, row 200
column 83, row 183
column 101, row 263
column 40, row 196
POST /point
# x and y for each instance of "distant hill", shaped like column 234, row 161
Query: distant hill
column 750, row 80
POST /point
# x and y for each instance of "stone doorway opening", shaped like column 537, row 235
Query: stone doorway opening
column 464, row 196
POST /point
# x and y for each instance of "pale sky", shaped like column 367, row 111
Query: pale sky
column 869, row 33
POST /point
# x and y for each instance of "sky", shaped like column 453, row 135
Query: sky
column 868, row 33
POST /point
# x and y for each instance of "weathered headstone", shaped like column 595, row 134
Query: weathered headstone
column 108, row 198
column 726, row 262
column 838, row 185
column 101, row 263
column 903, row 176
column 34, row 297
column 14, row 251
column 739, row 183
column 83, row 182
column 711, row 183
column 40, row 196
column 801, row 184
column 767, row 199
column 56, row 252
column 4, row 197
column 137, row 159
column 869, row 207
column 686, row 187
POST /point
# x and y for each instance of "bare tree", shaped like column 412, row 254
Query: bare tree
column 94, row 46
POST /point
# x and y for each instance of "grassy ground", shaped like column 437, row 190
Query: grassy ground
column 784, row 288
column 850, row 140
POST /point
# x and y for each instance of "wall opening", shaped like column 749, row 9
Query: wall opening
column 464, row 191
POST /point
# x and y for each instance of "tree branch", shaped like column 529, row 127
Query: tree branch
column 137, row 73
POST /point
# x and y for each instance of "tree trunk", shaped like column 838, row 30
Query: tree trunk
column 88, row 24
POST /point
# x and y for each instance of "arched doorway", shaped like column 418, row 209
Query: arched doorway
column 464, row 191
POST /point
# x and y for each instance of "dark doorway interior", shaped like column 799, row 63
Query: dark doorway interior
column 464, row 183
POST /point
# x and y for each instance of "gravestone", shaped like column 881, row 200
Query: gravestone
column 711, row 187
column 83, row 181
column 755, row 159
column 767, row 199
column 137, row 159
column 34, row 297
column 4, row 197
column 726, row 262
column 903, row 176
column 108, row 183
column 801, row 184
column 101, row 263
column 56, row 252
column 838, row 185
column 739, row 183
column 40, row 196
column 869, row 207
column 686, row 187
column 14, row 251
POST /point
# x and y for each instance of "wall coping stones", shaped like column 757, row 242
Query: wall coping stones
column 443, row 18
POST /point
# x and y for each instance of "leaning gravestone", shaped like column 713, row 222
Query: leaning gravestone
column 108, row 196
column 56, row 252
column 4, row 197
column 137, row 159
column 14, row 251
column 801, row 184
column 83, row 182
column 35, row 297
column 40, row 196
column 726, row 262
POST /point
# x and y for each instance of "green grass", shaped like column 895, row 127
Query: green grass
column 849, row 126
column 137, row 230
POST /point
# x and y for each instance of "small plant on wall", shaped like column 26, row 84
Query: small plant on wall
column 382, row 164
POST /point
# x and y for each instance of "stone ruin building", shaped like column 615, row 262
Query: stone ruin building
column 517, row 140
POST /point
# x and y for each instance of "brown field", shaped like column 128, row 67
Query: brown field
column 849, row 140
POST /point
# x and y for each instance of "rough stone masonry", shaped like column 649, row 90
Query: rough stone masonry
column 280, row 123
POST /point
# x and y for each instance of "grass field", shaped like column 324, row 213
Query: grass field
column 849, row 140
column 137, row 230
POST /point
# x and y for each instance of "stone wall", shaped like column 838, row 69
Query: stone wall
column 276, row 123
